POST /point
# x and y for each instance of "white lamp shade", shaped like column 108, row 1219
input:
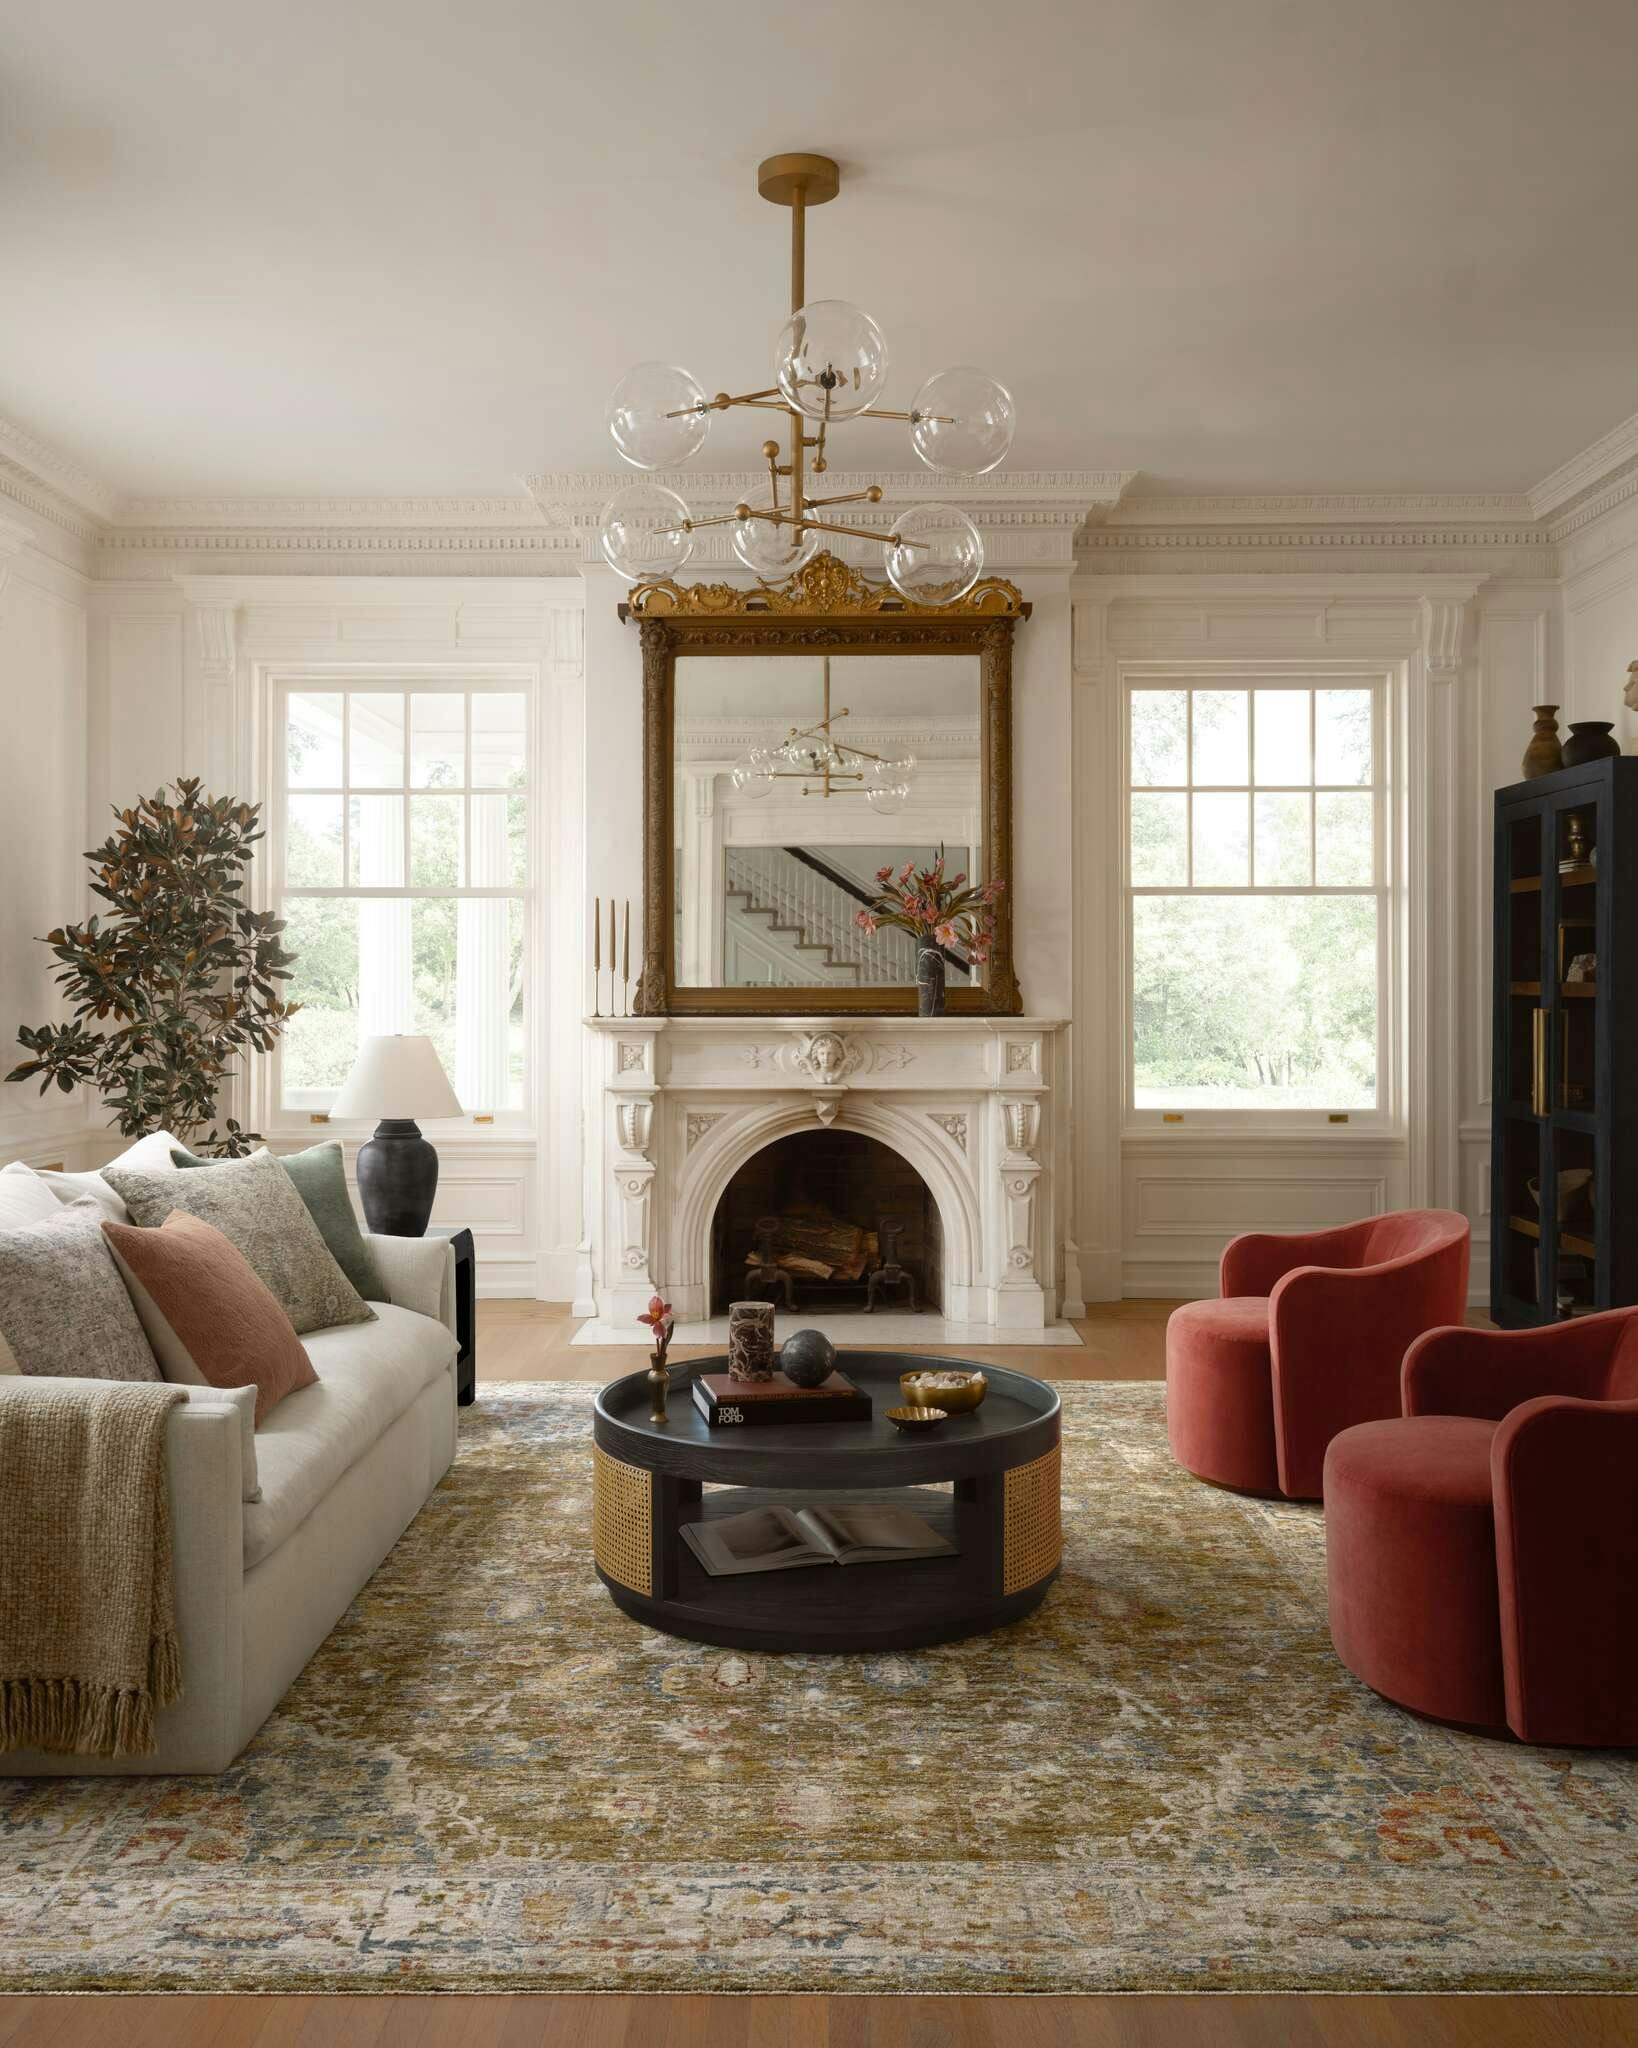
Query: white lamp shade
column 399, row 1078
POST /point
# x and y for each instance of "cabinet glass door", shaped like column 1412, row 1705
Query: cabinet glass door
column 1522, row 1278
column 1571, row 900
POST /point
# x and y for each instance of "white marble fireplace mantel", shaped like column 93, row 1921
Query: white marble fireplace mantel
column 676, row 1105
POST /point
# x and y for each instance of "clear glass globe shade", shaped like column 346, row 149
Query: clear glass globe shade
column 964, row 422
column 655, row 416
column 645, row 532
column 831, row 360
column 886, row 795
column 752, row 774
column 936, row 556
column 769, row 551
column 904, row 767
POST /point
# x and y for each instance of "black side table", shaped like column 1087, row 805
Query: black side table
column 466, row 1325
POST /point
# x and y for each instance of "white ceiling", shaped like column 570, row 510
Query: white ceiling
column 401, row 246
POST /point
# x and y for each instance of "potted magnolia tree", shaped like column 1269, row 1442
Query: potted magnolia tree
column 177, row 979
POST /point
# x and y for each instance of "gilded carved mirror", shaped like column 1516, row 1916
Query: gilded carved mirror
column 796, row 739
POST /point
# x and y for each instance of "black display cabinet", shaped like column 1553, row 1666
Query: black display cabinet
column 466, row 1310
column 1564, row 1087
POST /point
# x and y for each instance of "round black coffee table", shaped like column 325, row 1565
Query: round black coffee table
column 1001, row 1511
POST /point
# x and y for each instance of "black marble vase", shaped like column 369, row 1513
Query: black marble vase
column 929, row 982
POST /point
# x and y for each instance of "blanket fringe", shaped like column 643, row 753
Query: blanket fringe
column 74, row 1717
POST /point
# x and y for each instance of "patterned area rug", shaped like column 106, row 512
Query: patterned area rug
column 1162, row 1780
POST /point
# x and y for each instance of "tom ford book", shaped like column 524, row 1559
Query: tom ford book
column 732, row 1404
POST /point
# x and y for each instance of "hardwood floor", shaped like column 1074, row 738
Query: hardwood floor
column 530, row 1341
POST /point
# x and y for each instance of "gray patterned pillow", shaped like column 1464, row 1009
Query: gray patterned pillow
column 63, row 1307
column 254, row 1204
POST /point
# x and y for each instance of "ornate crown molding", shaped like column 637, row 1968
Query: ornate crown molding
column 64, row 480
column 1591, row 472
column 824, row 588
column 1302, row 509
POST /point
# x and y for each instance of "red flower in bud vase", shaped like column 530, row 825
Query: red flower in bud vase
column 662, row 1322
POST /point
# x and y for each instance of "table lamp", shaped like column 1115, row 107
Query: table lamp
column 397, row 1080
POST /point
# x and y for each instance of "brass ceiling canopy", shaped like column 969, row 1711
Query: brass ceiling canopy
column 830, row 365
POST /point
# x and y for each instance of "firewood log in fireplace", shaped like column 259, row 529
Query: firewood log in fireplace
column 816, row 1245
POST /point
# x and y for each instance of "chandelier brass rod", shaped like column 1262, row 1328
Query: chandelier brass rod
column 871, row 494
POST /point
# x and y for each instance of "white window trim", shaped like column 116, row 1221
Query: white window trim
column 276, row 682
column 1388, row 685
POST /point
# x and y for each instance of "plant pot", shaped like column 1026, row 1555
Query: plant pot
column 1591, row 739
column 929, row 982
column 1544, row 755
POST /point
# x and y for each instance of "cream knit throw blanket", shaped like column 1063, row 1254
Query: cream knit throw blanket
column 87, row 1608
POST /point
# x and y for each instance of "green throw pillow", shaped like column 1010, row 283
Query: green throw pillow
column 321, row 1181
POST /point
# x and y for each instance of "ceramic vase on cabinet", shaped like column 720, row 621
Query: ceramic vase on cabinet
column 1591, row 739
column 1543, row 756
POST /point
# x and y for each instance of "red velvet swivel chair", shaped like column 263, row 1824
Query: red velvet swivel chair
column 1483, row 1551
column 1308, row 1338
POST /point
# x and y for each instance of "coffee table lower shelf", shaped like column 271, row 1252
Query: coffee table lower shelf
column 840, row 1608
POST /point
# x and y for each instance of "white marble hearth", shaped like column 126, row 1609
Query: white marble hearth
column 677, row 1105
column 847, row 1332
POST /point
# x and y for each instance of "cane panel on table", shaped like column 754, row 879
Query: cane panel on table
column 623, row 1521
column 1033, row 1528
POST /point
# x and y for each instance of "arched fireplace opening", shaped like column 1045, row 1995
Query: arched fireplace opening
column 811, row 1219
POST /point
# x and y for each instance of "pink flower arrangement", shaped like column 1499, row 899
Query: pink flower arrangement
column 935, row 908
column 662, row 1322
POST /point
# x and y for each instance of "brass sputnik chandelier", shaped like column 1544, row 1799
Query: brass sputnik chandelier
column 830, row 365
column 826, row 765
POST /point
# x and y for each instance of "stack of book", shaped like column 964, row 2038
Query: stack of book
column 729, row 1403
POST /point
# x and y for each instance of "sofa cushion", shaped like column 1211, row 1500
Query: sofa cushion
column 64, row 1310
column 320, row 1177
column 25, row 1198
column 151, row 1154
column 253, row 1202
column 207, row 1315
column 368, row 1375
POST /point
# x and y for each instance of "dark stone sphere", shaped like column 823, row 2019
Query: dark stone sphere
column 808, row 1358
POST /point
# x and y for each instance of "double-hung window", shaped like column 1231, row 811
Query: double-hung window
column 404, row 878
column 1258, row 912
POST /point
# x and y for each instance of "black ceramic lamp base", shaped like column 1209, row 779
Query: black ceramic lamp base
column 397, row 1179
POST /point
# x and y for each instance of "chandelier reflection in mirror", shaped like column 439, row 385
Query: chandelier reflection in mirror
column 830, row 365
column 825, row 765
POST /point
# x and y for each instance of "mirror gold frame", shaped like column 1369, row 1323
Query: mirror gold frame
column 826, row 608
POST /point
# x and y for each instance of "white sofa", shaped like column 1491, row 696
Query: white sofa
column 344, row 1467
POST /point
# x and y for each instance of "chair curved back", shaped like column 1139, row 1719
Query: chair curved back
column 1409, row 1233
column 1622, row 1384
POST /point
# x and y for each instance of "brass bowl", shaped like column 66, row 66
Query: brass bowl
column 953, row 1400
column 914, row 1418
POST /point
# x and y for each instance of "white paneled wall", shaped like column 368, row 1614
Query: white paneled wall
column 1463, row 662
column 42, row 822
column 183, row 678
column 110, row 687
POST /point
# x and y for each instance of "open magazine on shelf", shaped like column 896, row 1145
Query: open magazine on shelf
column 779, row 1539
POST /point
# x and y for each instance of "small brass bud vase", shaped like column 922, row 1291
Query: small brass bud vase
column 662, row 1322
column 1544, row 755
